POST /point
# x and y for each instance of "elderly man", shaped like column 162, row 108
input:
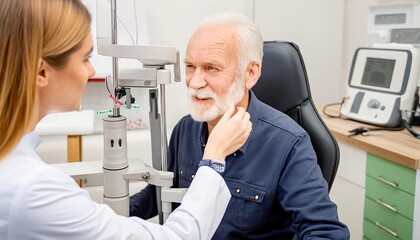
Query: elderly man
column 277, row 192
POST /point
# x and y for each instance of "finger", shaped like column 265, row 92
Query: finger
column 239, row 113
column 228, row 114
column 246, row 116
column 250, row 126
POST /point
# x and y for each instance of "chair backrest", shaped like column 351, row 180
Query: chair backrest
column 284, row 85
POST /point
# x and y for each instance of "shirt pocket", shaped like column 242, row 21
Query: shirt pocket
column 246, row 206
column 186, row 174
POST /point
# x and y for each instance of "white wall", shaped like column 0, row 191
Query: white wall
column 317, row 27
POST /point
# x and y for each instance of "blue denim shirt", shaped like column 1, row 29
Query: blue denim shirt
column 276, row 184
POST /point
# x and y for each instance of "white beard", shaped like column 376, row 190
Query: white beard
column 204, row 112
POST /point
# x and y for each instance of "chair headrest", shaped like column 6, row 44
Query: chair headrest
column 283, row 83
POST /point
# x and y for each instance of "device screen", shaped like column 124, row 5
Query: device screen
column 378, row 72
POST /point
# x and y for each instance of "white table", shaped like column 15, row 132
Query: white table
column 73, row 125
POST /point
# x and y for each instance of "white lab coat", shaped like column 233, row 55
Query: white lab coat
column 40, row 202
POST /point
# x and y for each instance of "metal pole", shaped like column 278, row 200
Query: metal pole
column 163, row 139
column 114, row 21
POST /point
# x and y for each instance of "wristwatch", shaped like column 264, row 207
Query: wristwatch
column 218, row 166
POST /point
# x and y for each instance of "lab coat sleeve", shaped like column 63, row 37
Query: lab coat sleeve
column 51, row 206
column 202, row 194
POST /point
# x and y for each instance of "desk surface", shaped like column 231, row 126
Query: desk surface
column 67, row 123
column 398, row 146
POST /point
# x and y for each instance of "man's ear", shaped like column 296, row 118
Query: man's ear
column 252, row 74
column 41, row 78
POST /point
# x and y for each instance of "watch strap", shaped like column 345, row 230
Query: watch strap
column 217, row 165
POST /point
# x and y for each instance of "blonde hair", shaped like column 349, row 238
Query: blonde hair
column 30, row 31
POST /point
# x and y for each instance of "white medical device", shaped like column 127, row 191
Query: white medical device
column 399, row 23
column 382, row 84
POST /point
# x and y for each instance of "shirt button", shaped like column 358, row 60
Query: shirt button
column 238, row 190
column 192, row 176
column 256, row 197
column 234, row 154
column 180, row 172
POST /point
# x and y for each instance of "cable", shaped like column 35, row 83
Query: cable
column 333, row 104
column 107, row 78
column 364, row 130
column 410, row 129
column 329, row 115
column 135, row 18
column 125, row 27
column 408, row 124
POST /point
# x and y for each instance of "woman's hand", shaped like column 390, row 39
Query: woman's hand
column 230, row 133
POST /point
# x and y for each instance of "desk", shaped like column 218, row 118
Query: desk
column 400, row 147
column 386, row 158
column 72, row 124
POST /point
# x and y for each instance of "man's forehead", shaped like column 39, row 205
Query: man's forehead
column 212, row 37
column 209, row 47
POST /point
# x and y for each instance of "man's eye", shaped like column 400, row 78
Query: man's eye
column 211, row 68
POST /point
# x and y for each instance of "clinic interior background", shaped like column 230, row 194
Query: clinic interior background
column 327, row 32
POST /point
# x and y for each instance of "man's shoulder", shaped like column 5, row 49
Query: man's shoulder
column 272, row 118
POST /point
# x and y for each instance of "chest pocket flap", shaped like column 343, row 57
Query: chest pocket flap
column 246, row 191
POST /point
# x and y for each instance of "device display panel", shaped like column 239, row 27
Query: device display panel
column 382, row 70
column 378, row 72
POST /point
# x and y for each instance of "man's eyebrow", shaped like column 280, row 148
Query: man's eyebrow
column 213, row 62
column 209, row 62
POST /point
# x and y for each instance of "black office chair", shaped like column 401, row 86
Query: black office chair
column 284, row 85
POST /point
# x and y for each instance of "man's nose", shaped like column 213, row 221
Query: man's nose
column 197, row 80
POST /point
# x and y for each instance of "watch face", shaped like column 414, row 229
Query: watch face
column 218, row 167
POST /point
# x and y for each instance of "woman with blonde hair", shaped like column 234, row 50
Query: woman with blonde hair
column 44, row 67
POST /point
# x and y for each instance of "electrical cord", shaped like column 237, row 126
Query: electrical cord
column 324, row 109
column 364, row 130
column 410, row 129
column 408, row 124
column 329, row 105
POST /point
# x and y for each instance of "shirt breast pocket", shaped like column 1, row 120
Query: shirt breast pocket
column 186, row 174
column 246, row 206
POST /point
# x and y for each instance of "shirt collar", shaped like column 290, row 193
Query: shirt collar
column 31, row 139
column 253, row 109
column 27, row 144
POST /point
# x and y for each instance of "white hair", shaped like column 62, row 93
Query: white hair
column 249, row 40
